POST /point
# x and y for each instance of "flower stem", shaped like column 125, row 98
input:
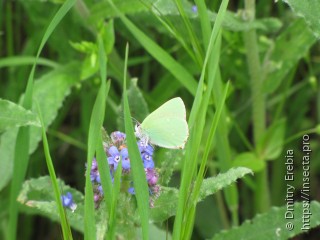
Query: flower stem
column 261, row 198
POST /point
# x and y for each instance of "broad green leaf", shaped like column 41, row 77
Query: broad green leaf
column 271, row 144
column 138, row 106
column 13, row 115
column 103, row 9
column 50, row 91
column 309, row 10
column 235, row 22
column 272, row 224
column 249, row 160
column 156, row 233
column 213, row 184
column 38, row 198
column 167, row 9
column 292, row 45
column 166, row 204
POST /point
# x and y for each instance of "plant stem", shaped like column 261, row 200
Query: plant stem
column 261, row 198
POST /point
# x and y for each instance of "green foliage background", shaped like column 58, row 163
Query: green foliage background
column 247, row 72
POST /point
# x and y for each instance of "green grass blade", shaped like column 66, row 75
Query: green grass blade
column 204, row 20
column 193, row 38
column 114, row 204
column 26, row 60
column 66, row 231
column 175, row 68
column 105, row 175
column 138, row 173
column 103, row 166
column 196, row 124
column 207, row 148
column 21, row 154
column 94, row 139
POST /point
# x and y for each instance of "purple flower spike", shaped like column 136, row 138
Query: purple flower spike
column 96, row 198
column 152, row 177
column 67, row 201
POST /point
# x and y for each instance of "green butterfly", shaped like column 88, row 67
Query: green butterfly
column 166, row 126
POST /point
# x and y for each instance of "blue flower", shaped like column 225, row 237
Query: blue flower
column 194, row 8
column 125, row 159
column 143, row 147
column 147, row 160
column 131, row 191
column 100, row 189
column 115, row 157
column 67, row 201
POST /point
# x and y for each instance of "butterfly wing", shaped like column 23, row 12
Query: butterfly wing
column 172, row 108
column 167, row 126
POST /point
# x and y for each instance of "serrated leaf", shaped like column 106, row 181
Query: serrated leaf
column 166, row 205
column 292, row 45
column 272, row 224
column 309, row 10
column 249, row 160
column 222, row 180
column 271, row 144
column 14, row 115
column 38, row 198
column 50, row 91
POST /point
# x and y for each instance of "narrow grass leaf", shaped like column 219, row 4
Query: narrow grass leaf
column 138, row 173
column 175, row 68
column 26, row 60
column 193, row 144
column 94, row 139
column 207, row 148
column 114, row 204
column 21, row 155
column 66, row 231
column 103, row 166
